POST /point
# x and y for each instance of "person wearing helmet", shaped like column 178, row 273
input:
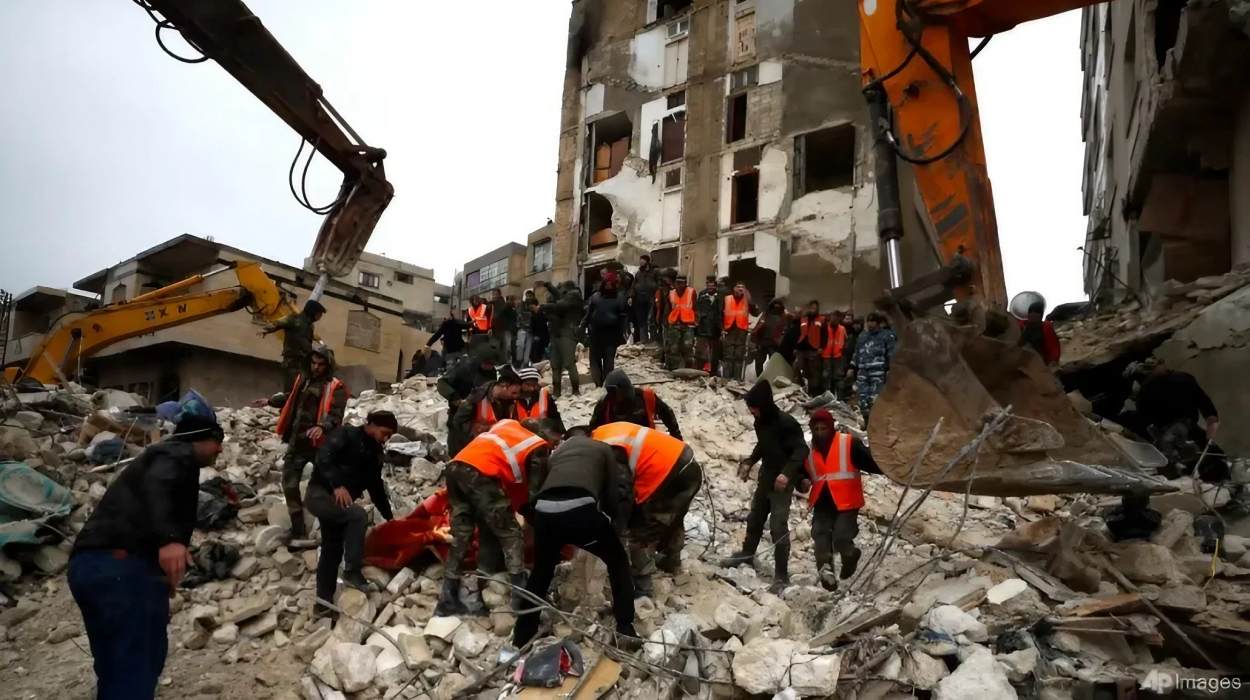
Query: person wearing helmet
column 297, row 339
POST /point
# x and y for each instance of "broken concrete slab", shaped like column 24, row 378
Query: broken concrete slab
column 442, row 627
column 953, row 622
column 1145, row 562
column 979, row 676
column 354, row 665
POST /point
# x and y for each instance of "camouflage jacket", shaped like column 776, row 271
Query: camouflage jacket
column 873, row 351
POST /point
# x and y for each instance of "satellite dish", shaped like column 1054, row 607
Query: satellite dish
column 1020, row 303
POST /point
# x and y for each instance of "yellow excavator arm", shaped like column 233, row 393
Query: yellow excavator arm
column 79, row 336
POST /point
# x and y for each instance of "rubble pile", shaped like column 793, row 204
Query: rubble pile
column 955, row 596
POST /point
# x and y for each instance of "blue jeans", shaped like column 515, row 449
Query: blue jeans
column 125, row 608
column 524, row 345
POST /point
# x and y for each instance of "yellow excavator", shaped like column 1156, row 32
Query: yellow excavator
column 227, row 32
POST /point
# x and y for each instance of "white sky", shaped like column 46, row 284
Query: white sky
column 110, row 147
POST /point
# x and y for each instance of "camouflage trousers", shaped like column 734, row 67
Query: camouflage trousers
column 678, row 347
column 868, row 387
column 479, row 502
column 707, row 353
column 290, row 368
column 734, row 348
column 659, row 523
column 298, row 453
column 564, row 359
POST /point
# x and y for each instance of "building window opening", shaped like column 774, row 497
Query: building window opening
column 599, row 221
column 664, row 258
column 673, row 137
column 541, row 256
column 403, row 278
column 736, row 118
column 760, row 281
column 825, row 158
column 1167, row 27
column 745, row 205
column 667, row 9
column 372, row 280
column 610, row 141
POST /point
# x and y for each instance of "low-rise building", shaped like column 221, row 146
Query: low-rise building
column 503, row 268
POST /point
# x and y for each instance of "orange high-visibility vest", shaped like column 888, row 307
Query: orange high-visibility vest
column 484, row 415
column 810, row 330
column 836, row 473
column 652, row 454
column 837, row 341
column 287, row 415
column 539, row 410
column 737, row 313
column 500, row 452
column 682, row 307
column 481, row 322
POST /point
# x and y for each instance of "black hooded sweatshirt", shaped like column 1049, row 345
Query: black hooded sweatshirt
column 780, row 442
column 635, row 408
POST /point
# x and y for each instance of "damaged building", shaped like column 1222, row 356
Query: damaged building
column 723, row 137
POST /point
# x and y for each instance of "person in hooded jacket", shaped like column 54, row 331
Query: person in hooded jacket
column 486, row 405
column 297, row 339
column 606, row 325
column 623, row 403
column 782, row 450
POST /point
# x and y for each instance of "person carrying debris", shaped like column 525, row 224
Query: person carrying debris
column 451, row 332
column 132, row 553
column 768, row 333
column 666, row 479
column 835, row 495
column 809, row 350
column 585, row 501
column 484, row 407
column 606, row 325
column 782, row 450
column 1040, row 335
column 347, row 465
column 564, row 315
column 871, row 363
column 297, row 339
column 679, row 332
column 735, row 321
column 479, row 316
column 708, row 314
column 834, row 354
column 313, row 408
column 646, row 280
column 622, row 402
column 487, row 483
column 535, row 402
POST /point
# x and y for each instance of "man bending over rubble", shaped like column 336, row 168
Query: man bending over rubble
column 666, row 480
column 348, row 464
column 584, row 501
column 781, row 446
column 132, row 553
column 313, row 408
column 537, row 402
column 624, row 403
column 487, row 483
column 484, row 406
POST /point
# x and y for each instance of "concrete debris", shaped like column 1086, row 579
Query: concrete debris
column 978, row 676
column 442, row 627
column 354, row 665
column 1145, row 562
column 1005, row 591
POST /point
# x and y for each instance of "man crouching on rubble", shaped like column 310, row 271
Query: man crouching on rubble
column 836, row 494
column 347, row 465
column 488, row 482
column 132, row 553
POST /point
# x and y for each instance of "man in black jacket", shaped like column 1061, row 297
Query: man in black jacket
column 132, row 553
column 451, row 332
column 782, row 449
column 606, row 324
column 484, row 406
column 645, row 282
column 347, row 465
column 584, row 501
column 709, row 311
column 624, row 403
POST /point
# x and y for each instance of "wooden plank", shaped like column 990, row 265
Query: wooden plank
column 862, row 622
column 1109, row 605
column 600, row 680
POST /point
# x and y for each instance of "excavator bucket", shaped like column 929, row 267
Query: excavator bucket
column 951, row 373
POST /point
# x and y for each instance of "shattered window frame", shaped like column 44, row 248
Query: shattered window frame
column 369, row 280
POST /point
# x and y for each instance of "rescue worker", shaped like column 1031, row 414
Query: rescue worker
column 487, row 483
column 132, row 553
column 646, row 280
column 708, row 315
column 813, row 337
column 471, row 371
column 524, row 329
column 348, row 464
column 585, row 500
column 768, row 333
column 313, row 408
column 606, row 326
column 479, row 316
column 535, row 402
column 871, row 363
column 835, row 352
column 486, row 405
column 451, row 332
column 835, row 495
column 666, row 479
column 782, row 449
column 1039, row 334
column 622, row 402
column 679, row 331
column 564, row 316
column 736, row 321
column 297, row 339
column 662, row 308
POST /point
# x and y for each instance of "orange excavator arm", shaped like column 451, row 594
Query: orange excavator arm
column 79, row 336
column 917, row 76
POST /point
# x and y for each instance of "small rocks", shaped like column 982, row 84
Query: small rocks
column 1145, row 562
column 51, row 560
column 12, row 617
column 952, row 622
column 400, row 581
column 288, row 564
column 254, row 514
column 226, row 634
column 469, row 641
column 260, row 626
column 442, row 627
column 240, row 610
column 269, row 538
column 245, row 568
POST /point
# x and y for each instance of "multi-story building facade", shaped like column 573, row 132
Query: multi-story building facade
column 502, row 268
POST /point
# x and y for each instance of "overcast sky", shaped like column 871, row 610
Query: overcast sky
column 110, row 147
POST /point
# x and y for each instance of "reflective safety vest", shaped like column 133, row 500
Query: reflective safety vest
column 539, row 410
column 810, row 331
column 484, row 415
column 837, row 342
column 287, row 416
column 652, row 454
column 682, row 307
column 648, row 402
column 835, row 472
column 737, row 313
column 481, row 322
column 500, row 452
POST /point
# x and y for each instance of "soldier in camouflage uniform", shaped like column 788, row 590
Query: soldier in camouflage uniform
column 564, row 316
column 871, row 362
column 679, row 326
column 297, row 339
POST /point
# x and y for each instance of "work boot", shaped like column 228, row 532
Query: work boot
column 738, row 559
column 475, row 604
column 627, row 638
column 520, row 601
column 449, row 603
column 828, row 580
column 643, row 588
column 297, row 531
column 357, row 580
column 781, row 576
column 850, row 562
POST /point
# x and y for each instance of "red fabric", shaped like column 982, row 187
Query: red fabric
column 1051, row 349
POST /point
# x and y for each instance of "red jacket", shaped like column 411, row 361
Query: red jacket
column 1049, row 349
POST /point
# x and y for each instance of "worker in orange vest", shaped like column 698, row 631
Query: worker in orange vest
column 666, row 479
column 313, row 408
column 679, row 331
column 813, row 337
column 488, row 482
column 536, row 402
column 835, row 352
column 479, row 315
column 835, row 495
column 485, row 406
column 736, row 323
column 623, row 403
